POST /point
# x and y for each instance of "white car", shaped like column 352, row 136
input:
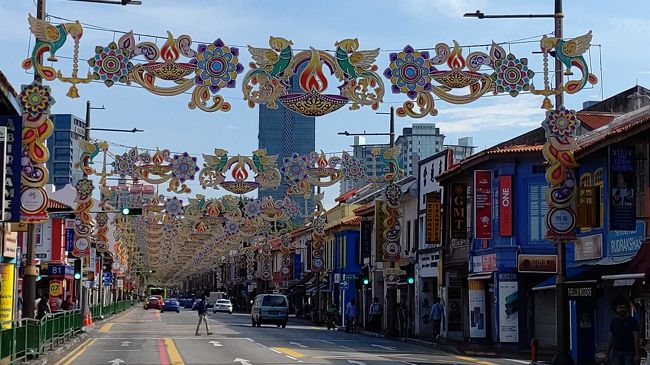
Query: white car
column 222, row 305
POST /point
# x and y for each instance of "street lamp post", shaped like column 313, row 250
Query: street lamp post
column 562, row 356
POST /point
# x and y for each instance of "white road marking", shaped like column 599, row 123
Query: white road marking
column 297, row 344
column 292, row 358
column 123, row 350
column 116, row 361
column 518, row 361
column 250, row 339
column 389, row 348
column 407, row 363
column 329, row 342
column 125, row 343
column 347, row 348
column 356, row 362
column 242, row 361
column 276, row 351
column 216, row 343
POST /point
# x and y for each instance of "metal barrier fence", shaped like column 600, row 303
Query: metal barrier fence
column 29, row 337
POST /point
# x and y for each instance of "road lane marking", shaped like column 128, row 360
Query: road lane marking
column 474, row 360
column 298, row 344
column 347, row 348
column 407, row 363
column 329, row 342
column 174, row 355
column 68, row 359
column 105, row 328
column 389, row 348
column 289, row 352
column 515, row 360
column 164, row 360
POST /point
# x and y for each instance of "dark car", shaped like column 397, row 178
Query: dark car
column 154, row 302
column 171, row 305
column 189, row 302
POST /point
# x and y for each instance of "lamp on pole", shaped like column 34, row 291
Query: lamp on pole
column 562, row 356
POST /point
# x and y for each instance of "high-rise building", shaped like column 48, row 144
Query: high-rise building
column 283, row 132
column 65, row 150
column 363, row 152
column 463, row 149
column 418, row 142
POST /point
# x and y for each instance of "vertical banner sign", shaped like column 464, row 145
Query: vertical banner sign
column 483, row 204
column 506, row 201
column 366, row 239
column 11, row 190
column 508, row 308
column 459, row 210
column 69, row 235
column 622, row 195
column 379, row 229
column 3, row 168
column 7, row 294
column 433, row 218
column 477, row 309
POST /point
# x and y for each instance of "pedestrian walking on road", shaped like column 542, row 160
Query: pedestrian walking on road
column 375, row 313
column 350, row 316
column 436, row 318
column 203, row 317
column 623, row 346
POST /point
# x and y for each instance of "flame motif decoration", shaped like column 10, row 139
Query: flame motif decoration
column 267, row 82
column 416, row 74
column 261, row 165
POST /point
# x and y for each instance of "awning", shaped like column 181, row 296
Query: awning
column 480, row 277
column 311, row 290
column 582, row 275
column 641, row 261
column 300, row 286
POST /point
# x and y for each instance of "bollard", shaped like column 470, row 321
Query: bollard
column 534, row 343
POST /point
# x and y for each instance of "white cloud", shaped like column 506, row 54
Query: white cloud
column 522, row 112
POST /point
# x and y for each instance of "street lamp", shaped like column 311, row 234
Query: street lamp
column 562, row 355
column 112, row 2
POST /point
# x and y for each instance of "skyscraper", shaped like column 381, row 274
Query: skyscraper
column 65, row 150
column 418, row 142
column 283, row 132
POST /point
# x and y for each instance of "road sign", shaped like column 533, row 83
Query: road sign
column 343, row 285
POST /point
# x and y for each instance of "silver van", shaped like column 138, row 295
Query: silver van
column 270, row 308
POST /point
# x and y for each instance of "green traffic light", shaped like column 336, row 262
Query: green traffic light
column 39, row 277
column 411, row 280
column 126, row 211
column 366, row 281
column 77, row 276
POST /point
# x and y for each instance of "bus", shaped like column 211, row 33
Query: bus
column 152, row 290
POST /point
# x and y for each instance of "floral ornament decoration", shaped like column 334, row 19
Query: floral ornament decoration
column 231, row 227
column 290, row 207
column 184, row 167
column 295, row 172
column 560, row 126
column 84, row 187
column 352, row 168
column 393, row 193
column 124, row 165
column 217, row 66
column 253, row 208
column 111, row 64
column 35, row 99
column 410, row 72
column 174, row 207
column 512, row 75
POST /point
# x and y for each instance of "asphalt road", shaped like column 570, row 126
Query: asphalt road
column 150, row 337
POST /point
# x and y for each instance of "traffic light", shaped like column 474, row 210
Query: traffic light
column 131, row 211
column 365, row 275
column 410, row 274
column 77, row 269
column 38, row 276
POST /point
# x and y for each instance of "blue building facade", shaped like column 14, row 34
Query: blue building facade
column 345, row 263
column 283, row 132
column 65, row 150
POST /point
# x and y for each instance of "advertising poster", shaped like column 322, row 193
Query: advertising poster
column 434, row 232
column 505, row 206
column 622, row 215
column 458, row 210
column 483, row 204
column 11, row 206
column 477, row 309
column 508, row 308
column 7, row 294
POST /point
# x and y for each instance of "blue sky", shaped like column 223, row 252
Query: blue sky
column 390, row 25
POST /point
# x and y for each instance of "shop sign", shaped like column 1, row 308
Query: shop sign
column 484, row 263
column 11, row 207
column 433, row 218
column 483, row 204
column 428, row 265
column 588, row 207
column 459, row 210
column 56, row 288
column 477, row 316
column 69, row 235
column 506, row 202
column 366, row 239
column 7, row 295
column 622, row 243
column 508, row 308
column 3, row 168
column 10, row 243
column 580, row 292
column 622, row 215
column 589, row 247
column 537, row 263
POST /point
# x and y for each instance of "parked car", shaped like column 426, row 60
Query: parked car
column 154, row 302
column 189, row 303
column 195, row 304
column 171, row 305
column 222, row 305
column 270, row 308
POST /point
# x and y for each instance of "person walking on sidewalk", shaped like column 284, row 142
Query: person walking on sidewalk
column 350, row 315
column 623, row 348
column 436, row 318
column 203, row 317
column 375, row 315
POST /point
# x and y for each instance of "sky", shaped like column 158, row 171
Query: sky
column 620, row 48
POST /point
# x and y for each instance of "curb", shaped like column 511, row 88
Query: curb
column 43, row 358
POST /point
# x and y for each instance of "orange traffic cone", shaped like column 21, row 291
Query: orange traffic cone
column 88, row 319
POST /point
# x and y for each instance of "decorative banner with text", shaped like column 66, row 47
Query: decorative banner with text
column 483, row 204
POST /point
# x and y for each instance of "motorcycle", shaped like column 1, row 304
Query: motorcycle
column 331, row 320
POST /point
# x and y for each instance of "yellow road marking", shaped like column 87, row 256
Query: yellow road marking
column 289, row 352
column 105, row 328
column 157, row 315
column 68, row 359
column 174, row 357
column 474, row 360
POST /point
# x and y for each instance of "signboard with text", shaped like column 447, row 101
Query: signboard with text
column 508, row 308
column 459, row 210
column 483, row 204
column 11, row 207
column 434, row 232
column 588, row 247
column 622, row 216
column 623, row 243
column 506, row 202
column 537, row 263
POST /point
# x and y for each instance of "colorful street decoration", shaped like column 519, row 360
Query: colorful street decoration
column 560, row 126
column 35, row 101
column 414, row 73
column 262, row 166
column 268, row 81
column 83, row 221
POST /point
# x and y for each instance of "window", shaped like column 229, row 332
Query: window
column 274, row 301
column 38, row 231
column 538, row 209
column 598, row 181
column 62, row 143
column 585, row 180
column 62, row 135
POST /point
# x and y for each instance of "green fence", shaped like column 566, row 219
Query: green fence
column 22, row 338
